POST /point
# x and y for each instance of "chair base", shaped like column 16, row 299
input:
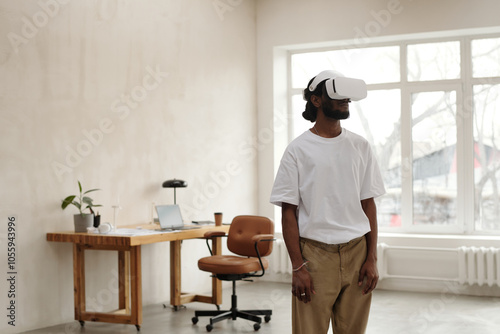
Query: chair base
column 233, row 313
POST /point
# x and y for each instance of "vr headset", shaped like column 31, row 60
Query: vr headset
column 339, row 87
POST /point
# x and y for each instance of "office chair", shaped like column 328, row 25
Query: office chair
column 249, row 237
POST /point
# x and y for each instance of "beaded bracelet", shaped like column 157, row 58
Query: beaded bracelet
column 300, row 267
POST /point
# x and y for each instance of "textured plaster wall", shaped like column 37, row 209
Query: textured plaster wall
column 121, row 95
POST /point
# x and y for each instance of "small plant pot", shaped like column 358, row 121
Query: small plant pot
column 83, row 221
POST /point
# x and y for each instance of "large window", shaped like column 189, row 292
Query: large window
column 433, row 118
column 434, row 142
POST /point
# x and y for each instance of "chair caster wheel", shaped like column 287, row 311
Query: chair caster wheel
column 194, row 320
column 267, row 318
column 138, row 327
column 256, row 327
column 209, row 328
column 82, row 323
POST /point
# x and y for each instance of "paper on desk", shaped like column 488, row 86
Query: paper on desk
column 134, row 232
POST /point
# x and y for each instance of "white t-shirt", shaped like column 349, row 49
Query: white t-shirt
column 327, row 178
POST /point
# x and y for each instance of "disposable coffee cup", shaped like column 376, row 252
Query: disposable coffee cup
column 218, row 218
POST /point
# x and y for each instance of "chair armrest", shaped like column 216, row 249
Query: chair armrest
column 263, row 237
column 256, row 239
column 210, row 235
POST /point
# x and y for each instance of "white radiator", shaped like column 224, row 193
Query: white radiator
column 381, row 260
column 479, row 265
column 280, row 262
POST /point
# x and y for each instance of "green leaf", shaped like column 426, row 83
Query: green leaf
column 67, row 201
column 87, row 200
column 80, row 186
column 90, row 191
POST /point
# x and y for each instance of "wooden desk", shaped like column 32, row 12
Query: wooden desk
column 129, row 270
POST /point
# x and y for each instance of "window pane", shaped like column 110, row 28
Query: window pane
column 382, row 130
column 487, row 156
column 434, row 61
column 486, row 57
column 434, row 136
column 373, row 65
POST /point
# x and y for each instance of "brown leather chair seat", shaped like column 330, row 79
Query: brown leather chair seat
column 229, row 264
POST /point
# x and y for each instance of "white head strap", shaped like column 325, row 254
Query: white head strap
column 322, row 76
column 338, row 87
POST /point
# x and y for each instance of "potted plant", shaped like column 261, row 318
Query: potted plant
column 82, row 202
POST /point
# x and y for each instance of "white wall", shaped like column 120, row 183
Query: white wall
column 284, row 24
column 65, row 67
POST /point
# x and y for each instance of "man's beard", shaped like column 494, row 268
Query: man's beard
column 335, row 113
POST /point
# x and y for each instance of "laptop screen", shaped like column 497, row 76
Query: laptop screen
column 169, row 216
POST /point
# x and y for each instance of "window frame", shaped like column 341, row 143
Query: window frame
column 463, row 86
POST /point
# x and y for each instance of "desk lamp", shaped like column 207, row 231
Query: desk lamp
column 175, row 184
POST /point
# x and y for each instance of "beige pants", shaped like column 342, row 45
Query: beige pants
column 334, row 270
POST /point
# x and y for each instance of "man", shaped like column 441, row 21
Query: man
column 326, row 185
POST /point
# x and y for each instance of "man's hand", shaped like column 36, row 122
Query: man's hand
column 368, row 270
column 302, row 285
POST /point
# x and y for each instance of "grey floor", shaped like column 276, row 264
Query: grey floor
column 392, row 313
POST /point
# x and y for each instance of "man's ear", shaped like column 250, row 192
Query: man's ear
column 316, row 100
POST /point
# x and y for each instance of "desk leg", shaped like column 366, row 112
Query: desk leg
column 216, row 283
column 136, row 285
column 175, row 273
column 177, row 298
column 79, row 280
column 124, row 281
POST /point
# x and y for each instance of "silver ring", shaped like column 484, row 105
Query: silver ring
column 302, row 294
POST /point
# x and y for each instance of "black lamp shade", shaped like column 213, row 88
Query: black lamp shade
column 174, row 184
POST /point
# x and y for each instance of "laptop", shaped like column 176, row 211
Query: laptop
column 171, row 219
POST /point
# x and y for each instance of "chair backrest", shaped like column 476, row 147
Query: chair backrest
column 243, row 228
